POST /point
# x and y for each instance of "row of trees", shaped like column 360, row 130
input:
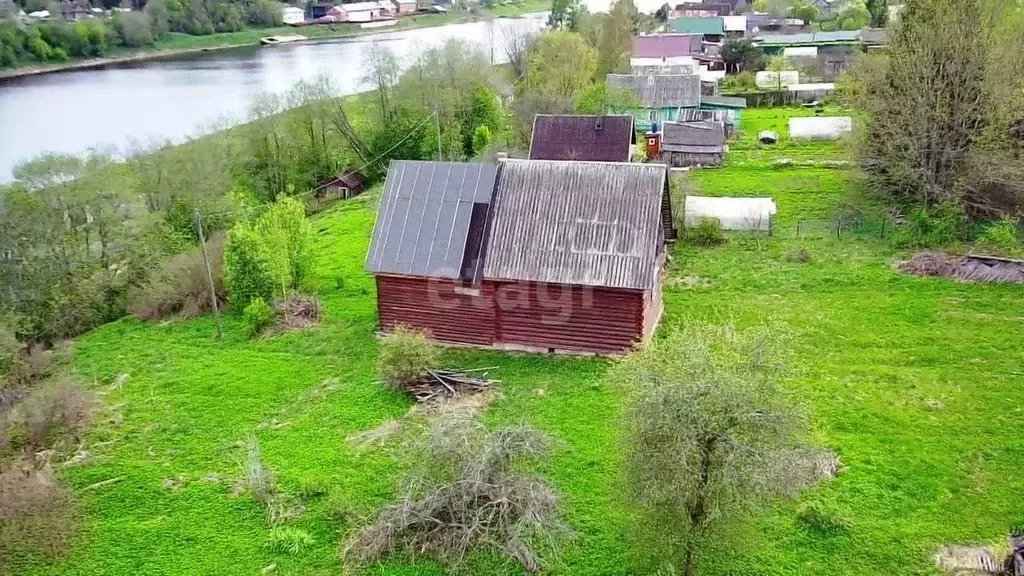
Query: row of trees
column 855, row 15
column 57, row 41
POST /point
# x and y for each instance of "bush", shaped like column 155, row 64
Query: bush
column 246, row 272
column 742, row 82
column 815, row 516
column 286, row 241
column 182, row 286
column 800, row 256
column 707, row 233
column 134, row 29
column 37, row 512
column 465, row 491
column 290, row 540
column 258, row 315
column 51, row 416
column 256, row 478
column 405, row 353
column 312, row 487
column 941, row 225
column 1002, row 236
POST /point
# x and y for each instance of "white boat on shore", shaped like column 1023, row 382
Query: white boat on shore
column 285, row 39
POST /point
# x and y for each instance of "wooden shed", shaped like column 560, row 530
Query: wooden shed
column 697, row 143
column 543, row 256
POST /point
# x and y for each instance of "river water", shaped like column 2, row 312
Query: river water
column 175, row 98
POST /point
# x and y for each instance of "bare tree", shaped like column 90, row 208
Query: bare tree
column 517, row 43
column 707, row 431
column 381, row 71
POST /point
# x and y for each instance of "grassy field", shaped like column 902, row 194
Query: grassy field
column 915, row 383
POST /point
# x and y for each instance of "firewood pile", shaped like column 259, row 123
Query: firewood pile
column 439, row 384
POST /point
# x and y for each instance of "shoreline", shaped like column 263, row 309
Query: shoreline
column 164, row 53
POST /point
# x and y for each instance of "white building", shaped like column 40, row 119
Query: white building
column 292, row 15
column 819, row 128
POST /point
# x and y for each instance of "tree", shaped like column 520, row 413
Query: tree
column 942, row 111
column 663, row 13
column 562, row 14
column 879, row 11
column 807, row 13
column 854, row 17
column 777, row 65
column 561, row 66
column 708, row 432
column 381, row 72
column 740, row 55
column 615, row 38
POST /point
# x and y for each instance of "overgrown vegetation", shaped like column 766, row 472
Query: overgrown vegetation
column 405, row 354
column 707, row 233
column 181, row 287
column 466, row 491
column 707, row 431
column 943, row 131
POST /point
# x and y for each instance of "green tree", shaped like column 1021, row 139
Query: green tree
column 879, row 11
column 940, row 130
column 854, row 17
column 708, row 432
column 562, row 13
column 740, row 55
column 561, row 67
column 615, row 38
column 807, row 13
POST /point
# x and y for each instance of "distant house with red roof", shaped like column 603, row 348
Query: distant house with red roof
column 666, row 50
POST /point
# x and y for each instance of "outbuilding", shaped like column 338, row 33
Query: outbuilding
column 698, row 143
column 660, row 96
column 582, row 138
column 292, row 15
column 534, row 255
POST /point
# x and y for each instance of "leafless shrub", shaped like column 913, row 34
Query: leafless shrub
column 297, row 311
column 405, row 353
column 37, row 512
column 51, row 416
column 182, row 286
column 465, row 491
column 257, row 479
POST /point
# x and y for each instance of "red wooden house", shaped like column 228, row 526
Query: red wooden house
column 548, row 256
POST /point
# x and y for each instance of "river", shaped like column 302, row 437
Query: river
column 171, row 99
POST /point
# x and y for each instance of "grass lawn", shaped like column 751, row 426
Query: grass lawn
column 916, row 383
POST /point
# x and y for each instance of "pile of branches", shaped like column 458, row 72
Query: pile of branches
column 465, row 491
column 438, row 384
column 298, row 311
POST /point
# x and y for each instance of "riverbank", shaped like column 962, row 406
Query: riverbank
column 177, row 45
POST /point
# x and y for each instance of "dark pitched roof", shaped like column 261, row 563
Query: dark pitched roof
column 584, row 223
column 666, row 45
column 594, row 138
column 661, row 91
column 425, row 216
column 694, row 137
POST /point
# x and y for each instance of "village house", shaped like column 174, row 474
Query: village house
column 667, row 50
column 535, row 255
column 341, row 187
column 660, row 97
column 405, row 6
column 712, row 29
column 695, row 143
column 292, row 15
column 701, row 9
column 582, row 138
column 363, row 11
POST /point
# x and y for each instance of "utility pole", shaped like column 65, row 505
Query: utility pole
column 437, row 122
column 209, row 273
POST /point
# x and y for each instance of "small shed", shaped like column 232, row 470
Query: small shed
column 660, row 96
column 535, row 255
column 819, row 128
column 697, row 143
column 751, row 214
column 582, row 138
column 341, row 187
column 405, row 6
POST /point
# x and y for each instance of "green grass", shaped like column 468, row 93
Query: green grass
column 916, row 384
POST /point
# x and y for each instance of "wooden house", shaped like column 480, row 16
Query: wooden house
column 712, row 29
column 582, row 138
column 341, row 187
column 659, row 97
column 534, row 255
column 697, row 143
column 667, row 50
